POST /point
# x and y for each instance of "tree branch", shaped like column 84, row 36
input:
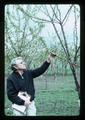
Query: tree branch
column 67, row 14
column 75, row 57
column 55, row 14
column 33, row 17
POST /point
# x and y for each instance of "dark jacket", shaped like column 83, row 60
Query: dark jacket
column 16, row 83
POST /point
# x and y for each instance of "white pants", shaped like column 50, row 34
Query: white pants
column 30, row 111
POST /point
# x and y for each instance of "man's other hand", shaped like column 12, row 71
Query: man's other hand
column 27, row 102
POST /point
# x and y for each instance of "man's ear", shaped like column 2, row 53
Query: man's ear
column 15, row 66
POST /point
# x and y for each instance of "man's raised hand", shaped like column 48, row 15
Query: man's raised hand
column 51, row 56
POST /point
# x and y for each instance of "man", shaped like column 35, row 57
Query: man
column 20, row 82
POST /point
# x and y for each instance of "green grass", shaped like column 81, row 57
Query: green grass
column 60, row 103
column 57, row 98
column 8, row 110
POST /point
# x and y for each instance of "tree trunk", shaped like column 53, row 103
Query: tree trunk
column 65, row 70
column 75, row 78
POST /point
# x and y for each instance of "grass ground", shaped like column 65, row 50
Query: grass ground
column 53, row 97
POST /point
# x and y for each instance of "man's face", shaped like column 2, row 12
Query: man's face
column 20, row 64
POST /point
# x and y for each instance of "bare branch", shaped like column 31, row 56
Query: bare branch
column 66, row 46
column 59, row 12
column 76, row 36
column 75, row 57
column 55, row 14
column 13, row 47
column 33, row 17
column 67, row 14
